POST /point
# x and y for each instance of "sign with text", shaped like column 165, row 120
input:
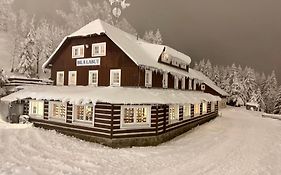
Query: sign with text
column 88, row 62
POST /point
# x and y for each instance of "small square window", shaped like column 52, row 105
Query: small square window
column 78, row 51
column 203, row 87
column 99, row 49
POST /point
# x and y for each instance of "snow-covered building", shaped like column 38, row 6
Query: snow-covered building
column 116, row 89
column 252, row 106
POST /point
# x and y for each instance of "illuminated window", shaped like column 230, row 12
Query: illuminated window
column 72, row 78
column 148, row 78
column 93, row 77
column 84, row 113
column 60, row 78
column 115, row 77
column 99, row 49
column 173, row 113
column 57, row 110
column 78, row 51
column 36, row 108
column 135, row 116
column 196, row 110
column 204, row 107
column 186, row 111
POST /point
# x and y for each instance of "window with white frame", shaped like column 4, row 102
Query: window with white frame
column 36, row 108
column 57, row 110
column 186, row 111
column 183, row 83
column 115, row 77
column 189, row 84
column 204, row 107
column 78, row 51
column 72, row 78
column 183, row 66
column 197, row 110
column 84, row 113
column 99, row 49
column 135, row 116
column 148, row 78
column 176, row 82
column 60, row 78
column 203, row 87
column 173, row 113
column 166, row 58
column 165, row 80
column 213, row 106
column 93, row 77
column 194, row 84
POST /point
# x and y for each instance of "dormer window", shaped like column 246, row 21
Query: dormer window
column 98, row 49
column 148, row 78
column 166, row 58
column 78, row 51
column 183, row 66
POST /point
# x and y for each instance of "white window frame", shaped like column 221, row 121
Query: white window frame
column 165, row 80
column 195, row 84
column 204, row 107
column 38, row 102
column 177, row 117
column 199, row 110
column 190, row 84
column 112, row 72
column 136, row 125
column 187, row 111
column 74, row 115
column 90, row 82
column 166, row 58
column 99, row 45
column 70, row 83
column 203, row 87
column 176, row 82
column 79, row 47
column 148, row 78
column 183, row 83
column 57, row 80
column 213, row 106
column 51, row 103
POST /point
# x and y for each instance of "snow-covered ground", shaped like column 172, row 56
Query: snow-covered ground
column 240, row 142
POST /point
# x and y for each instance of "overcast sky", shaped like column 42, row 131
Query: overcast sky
column 246, row 32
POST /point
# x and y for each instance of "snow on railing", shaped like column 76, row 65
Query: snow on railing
column 273, row 116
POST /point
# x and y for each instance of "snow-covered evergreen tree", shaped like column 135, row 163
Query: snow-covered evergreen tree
column 6, row 14
column 277, row 104
column 153, row 37
column 270, row 92
column 27, row 57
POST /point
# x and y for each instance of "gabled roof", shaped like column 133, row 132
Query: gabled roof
column 138, row 50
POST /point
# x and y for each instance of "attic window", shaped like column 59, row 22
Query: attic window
column 78, row 51
column 99, row 49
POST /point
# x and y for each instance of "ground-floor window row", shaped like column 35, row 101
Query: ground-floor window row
column 131, row 116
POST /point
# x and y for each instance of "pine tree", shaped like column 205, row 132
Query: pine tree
column 270, row 92
column 153, row 37
column 277, row 105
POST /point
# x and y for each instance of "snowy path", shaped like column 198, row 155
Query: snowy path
column 240, row 142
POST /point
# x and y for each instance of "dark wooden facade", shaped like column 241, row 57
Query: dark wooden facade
column 107, row 130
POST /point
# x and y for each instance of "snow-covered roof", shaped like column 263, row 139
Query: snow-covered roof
column 114, row 95
column 141, row 52
column 199, row 75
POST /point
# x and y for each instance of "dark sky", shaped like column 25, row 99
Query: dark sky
column 246, row 32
